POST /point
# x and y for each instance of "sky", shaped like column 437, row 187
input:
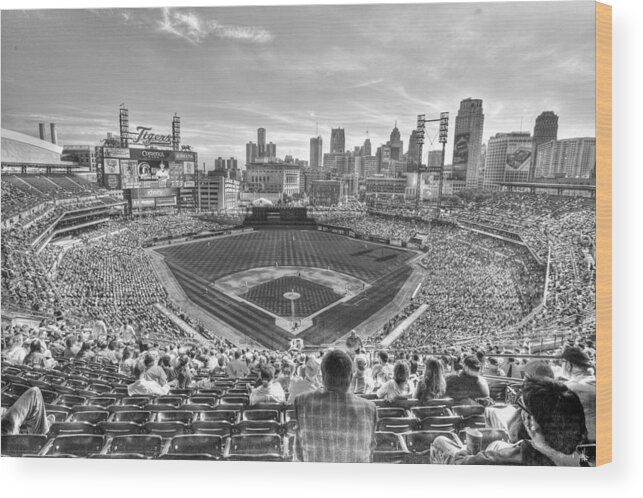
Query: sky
column 292, row 70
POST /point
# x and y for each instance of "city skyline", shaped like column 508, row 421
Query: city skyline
column 229, row 71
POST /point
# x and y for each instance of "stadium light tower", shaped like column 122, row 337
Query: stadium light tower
column 444, row 131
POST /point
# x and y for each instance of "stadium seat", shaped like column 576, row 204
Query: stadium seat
column 214, row 415
column 391, row 412
column 87, row 408
column 70, row 400
column 396, row 424
column 160, row 407
column 193, row 407
column 174, row 416
column 136, row 416
column 48, row 395
column 103, row 401
column 140, row 401
column 444, row 423
column 215, row 427
column 421, row 412
column 419, row 442
column 92, row 417
column 235, row 399
column 15, row 445
column 180, row 392
column 390, row 448
column 237, row 391
column 110, row 428
column 190, row 445
column 261, row 414
column 439, row 402
column 59, row 415
column 79, row 445
column 165, row 429
column 254, row 447
column 370, row 396
column 257, row 427
column 71, row 428
column 147, row 445
column 202, row 400
column 176, row 401
column 466, row 411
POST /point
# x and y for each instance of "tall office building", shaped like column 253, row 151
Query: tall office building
column 251, row 152
column 567, row 158
column 545, row 130
column 337, row 141
column 469, row 125
column 316, row 152
column 412, row 159
column 271, row 150
column 396, row 144
column 367, row 147
column 508, row 159
column 261, row 142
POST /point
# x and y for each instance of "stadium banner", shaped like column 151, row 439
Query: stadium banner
column 460, row 156
column 157, row 192
column 152, row 164
column 380, row 240
column 518, row 157
column 188, row 174
column 142, row 203
column 176, row 174
column 396, row 242
column 112, row 182
column 116, row 152
column 111, row 166
column 184, row 156
column 165, row 201
column 129, row 174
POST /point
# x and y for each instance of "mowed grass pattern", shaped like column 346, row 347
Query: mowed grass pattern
column 219, row 257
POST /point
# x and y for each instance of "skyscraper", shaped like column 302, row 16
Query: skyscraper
column 337, row 141
column 469, row 125
column 251, row 152
column 316, row 152
column 396, row 144
column 261, row 142
column 367, row 147
column 545, row 130
column 508, row 159
column 271, row 150
column 412, row 158
column 567, row 158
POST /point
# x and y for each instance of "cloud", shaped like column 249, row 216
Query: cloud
column 367, row 83
column 196, row 30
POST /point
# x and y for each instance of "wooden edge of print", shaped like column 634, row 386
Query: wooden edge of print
column 603, row 233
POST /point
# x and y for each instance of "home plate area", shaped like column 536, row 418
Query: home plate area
column 293, row 295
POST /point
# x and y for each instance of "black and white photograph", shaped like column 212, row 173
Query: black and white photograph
column 305, row 233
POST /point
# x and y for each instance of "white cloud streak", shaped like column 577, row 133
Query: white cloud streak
column 195, row 30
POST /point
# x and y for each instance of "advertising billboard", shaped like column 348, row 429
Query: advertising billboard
column 129, row 172
column 111, row 166
column 116, row 152
column 460, row 156
column 518, row 157
column 112, row 182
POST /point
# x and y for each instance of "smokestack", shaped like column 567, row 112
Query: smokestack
column 54, row 135
column 41, row 127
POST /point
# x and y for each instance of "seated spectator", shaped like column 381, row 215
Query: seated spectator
column 399, row 386
column 305, row 382
column 578, row 375
column 382, row 372
column 468, row 385
column 285, row 375
column 358, row 382
column 220, row 368
column 333, row 424
column 269, row 391
column 492, row 367
column 433, row 385
column 127, row 363
column 28, row 411
column 16, row 353
column 183, row 373
column 154, row 372
column 237, row 368
column 143, row 386
column 35, row 358
column 70, row 344
column 85, row 352
column 554, row 420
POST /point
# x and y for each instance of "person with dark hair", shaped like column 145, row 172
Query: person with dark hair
column 358, row 382
column 29, row 411
column 554, row 422
column 578, row 375
column 269, row 391
column 382, row 372
column 237, row 368
column 35, row 358
column 399, row 386
column 433, row 385
column 182, row 371
column 468, row 385
column 127, row 363
column 333, row 424
column 85, row 352
column 16, row 353
column 154, row 372
column 70, row 344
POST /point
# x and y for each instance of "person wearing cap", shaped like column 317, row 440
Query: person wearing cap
column 554, row 423
column 579, row 377
column 468, row 385
column 334, row 425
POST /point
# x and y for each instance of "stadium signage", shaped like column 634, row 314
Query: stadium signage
column 146, row 137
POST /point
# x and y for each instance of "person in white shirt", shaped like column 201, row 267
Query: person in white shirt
column 269, row 391
column 399, row 386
